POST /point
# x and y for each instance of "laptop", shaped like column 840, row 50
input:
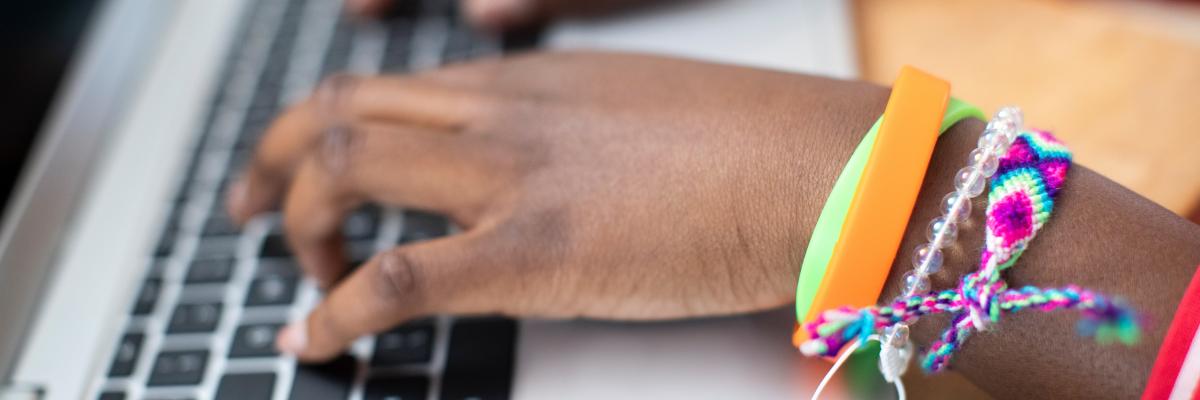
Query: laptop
column 121, row 277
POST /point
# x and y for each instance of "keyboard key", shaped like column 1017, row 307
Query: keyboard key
column 397, row 388
column 173, row 368
column 126, row 355
column 112, row 396
column 220, row 226
column 165, row 244
column 362, row 224
column 325, row 381
column 277, row 267
column 275, row 245
column 406, row 344
column 479, row 362
column 272, row 291
column 420, row 226
column 147, row 297
column 194, row 318
column 216, row 247
column 246, row 386
column 257, row 340
column 210, row 271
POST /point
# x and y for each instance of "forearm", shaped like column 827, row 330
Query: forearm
column 1100, row 236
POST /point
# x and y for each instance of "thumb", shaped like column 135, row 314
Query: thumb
column 394, row 286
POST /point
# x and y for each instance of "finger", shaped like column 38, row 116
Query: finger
column 405, row 167
column 341, row 101
column 369, row 8
column 403, row 283
column 499, row 15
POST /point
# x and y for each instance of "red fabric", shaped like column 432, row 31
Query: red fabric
column 1176, row 344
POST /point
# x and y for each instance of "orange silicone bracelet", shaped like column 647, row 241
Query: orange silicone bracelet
column 886, row 194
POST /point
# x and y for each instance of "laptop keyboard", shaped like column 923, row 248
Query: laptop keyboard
column 203, row 323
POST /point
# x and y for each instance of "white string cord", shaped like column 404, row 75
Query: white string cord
column 901, row 394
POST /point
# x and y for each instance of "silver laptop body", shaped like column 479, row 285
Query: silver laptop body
column 166, row 98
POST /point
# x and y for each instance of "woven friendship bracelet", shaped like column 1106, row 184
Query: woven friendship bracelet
column 1023, row 188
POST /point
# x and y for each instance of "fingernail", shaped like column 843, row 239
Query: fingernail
column 292, row 338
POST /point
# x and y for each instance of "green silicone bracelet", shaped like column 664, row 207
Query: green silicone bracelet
column 829, row 225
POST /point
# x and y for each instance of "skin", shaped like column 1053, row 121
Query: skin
column 633, row 187
column 500, row 15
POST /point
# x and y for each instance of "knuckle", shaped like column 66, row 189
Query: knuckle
column 399, row 275
column 333, row 94
column 337, row 148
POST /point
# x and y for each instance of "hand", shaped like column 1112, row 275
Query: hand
column 587, row 185
column 499, row 15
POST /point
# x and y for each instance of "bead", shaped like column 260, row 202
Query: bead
column 1005, row 126
column 969, row 182
column 984, row 161
column 915, row 283
column 895, row 352
column 956, row 207
column 995, row 141
column 927, row 259
column 896, row 335
column 1012, row 113
column 942, row 232
column 988, row 138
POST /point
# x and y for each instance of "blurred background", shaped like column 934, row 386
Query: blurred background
column 1118, row 80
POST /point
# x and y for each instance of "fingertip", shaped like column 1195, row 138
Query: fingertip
column 367, row 8
column 498, row 15
column 292, row 339
column 235, row 201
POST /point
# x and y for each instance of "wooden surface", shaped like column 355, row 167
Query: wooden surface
column 1119, row 81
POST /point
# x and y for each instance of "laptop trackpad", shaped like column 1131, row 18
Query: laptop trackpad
column 748, row 357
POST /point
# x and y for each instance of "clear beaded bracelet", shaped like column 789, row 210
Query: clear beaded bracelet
column 1026, row 170
column 969, row 182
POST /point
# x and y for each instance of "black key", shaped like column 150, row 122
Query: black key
column 173, row 368
column 420, row 226
column 362, row 224
column 256, row 340
column 216, row 270
column 147, row 297
column 340, row 46
column 479, row 362
column 216, row 247
column 272, row 290
column 220, row 226
column 398, row 50
column 406, row 344
column 397, row 388
column 193, row 318
column 246, row 386
column 112, row 396
column 166, row 243
column 126, row 355
column 325, row 381
column 277, row 267
column 274, row 245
